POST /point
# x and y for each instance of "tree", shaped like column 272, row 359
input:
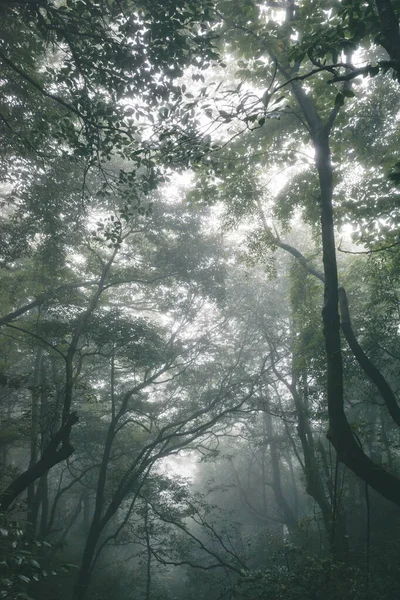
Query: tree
column 317, row 115
column 184, row 416
column 142, row 335
column 82, row 64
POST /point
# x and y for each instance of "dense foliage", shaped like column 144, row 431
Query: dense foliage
column 186, row 187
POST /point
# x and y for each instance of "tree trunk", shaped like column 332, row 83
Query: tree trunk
column 83, row 578
column 340, row 434
column 283, row 505
column 348, row 450
column 31, row 512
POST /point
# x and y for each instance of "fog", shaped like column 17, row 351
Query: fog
column 199, row 300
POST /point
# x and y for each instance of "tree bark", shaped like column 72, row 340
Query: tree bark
column 365, row 363
column 55, row 454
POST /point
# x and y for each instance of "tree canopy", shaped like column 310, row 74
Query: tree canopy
column 199, row 305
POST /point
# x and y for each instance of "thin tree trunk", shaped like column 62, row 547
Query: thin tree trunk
column 44, row 497
column 148, row 548
column 86, row 513
column 45, row 432
column 283, row 505
column 75, row 514
column 31, row 516
column 85, row 571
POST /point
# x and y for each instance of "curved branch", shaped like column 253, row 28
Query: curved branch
column 365, row 363
column 347, row 448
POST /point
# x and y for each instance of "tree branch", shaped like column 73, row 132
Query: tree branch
column 58, row 450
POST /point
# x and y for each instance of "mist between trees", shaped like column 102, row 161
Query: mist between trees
column 199, row 300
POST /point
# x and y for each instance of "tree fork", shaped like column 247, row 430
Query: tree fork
column 347, row 447
column 345, row 321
